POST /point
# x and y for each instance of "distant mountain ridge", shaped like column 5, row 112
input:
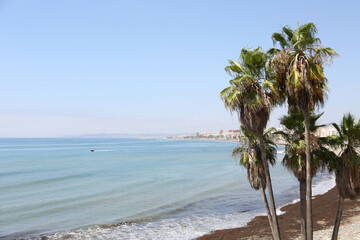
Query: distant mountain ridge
column 123, row 135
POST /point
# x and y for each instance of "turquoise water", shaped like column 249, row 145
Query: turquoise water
column 126, row 189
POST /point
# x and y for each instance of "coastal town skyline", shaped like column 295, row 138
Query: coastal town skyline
column 236, row 134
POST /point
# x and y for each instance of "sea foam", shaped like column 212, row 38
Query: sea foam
column 176, row 229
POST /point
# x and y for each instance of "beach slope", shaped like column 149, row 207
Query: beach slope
column 324, row 211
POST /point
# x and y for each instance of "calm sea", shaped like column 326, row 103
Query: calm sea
column 129, row 189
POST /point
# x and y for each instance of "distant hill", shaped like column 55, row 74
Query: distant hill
column 124, row 135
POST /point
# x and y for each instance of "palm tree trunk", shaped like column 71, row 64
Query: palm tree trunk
column 303, row 209
column 263, row 194
column 276, row 233
column 338, row 218
column 309, row 225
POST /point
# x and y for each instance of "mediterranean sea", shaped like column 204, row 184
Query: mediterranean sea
column 129, row 188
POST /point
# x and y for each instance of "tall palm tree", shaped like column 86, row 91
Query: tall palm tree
column 249, row 152
column 250, row 95
column 347, row 166
column 299, row 72
column 294, row 158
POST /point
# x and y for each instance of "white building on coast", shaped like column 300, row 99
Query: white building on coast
column 326, row 131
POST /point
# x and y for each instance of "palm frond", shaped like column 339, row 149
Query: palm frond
column 289, row 32
column 279, row 38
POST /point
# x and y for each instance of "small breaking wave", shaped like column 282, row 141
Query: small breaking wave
column 183, row 228
column 326, row 183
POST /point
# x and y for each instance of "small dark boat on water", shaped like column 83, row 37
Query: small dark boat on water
column 92, row 150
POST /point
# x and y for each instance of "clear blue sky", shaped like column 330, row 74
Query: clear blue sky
column 77, row 67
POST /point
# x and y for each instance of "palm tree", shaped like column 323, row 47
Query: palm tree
column 347, row 166
column 294, row 158
column 249, row 152
column 251, row 94
column 299, row 72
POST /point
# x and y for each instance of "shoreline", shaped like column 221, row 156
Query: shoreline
column 324, row 212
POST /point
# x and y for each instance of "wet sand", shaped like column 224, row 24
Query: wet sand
column 324, row 212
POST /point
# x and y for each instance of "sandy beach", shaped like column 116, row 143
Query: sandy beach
column 324, row 211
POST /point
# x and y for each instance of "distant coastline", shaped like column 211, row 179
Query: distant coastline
column 221, row 135
column 194, row 138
